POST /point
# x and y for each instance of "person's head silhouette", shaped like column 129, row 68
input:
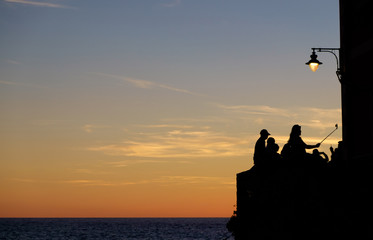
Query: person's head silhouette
column 270, row 141
column 296, row 130
column 264, row 133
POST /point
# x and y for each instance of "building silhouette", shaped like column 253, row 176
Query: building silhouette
column 308, row 202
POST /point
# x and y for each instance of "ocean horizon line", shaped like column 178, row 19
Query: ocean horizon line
column 111, row 217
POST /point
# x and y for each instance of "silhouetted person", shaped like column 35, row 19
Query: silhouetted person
column 295, row 148
column 260, row 148
column 274, row 152
column 270, row 142
column 272, row 156
column 319, row 159
column 337, row 156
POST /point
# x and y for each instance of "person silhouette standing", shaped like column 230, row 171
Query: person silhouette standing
column 260, row 148
column 295, row 148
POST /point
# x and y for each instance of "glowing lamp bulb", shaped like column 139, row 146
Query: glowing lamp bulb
column 314, row 66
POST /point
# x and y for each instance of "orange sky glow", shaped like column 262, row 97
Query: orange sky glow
column 150, row 108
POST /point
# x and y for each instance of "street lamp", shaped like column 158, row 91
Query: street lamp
column 314, row 63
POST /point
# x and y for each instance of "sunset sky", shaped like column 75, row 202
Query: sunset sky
column 149, row 108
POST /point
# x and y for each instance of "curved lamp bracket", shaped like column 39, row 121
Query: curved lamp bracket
column 333, row 51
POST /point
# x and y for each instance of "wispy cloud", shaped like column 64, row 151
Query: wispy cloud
column 166, row 126
column 21, row 84
column 201, row 138
column 89, row 182
column 89, row 128
column 194, row 180
column 89, row 171
column 139, row 83
column 126, row 163
column 162, row 180
column 103, row 183
column 38, row 3
column 178, row 144
column 257, row 110
column 318, row 118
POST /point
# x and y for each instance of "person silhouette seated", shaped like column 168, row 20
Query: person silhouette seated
column 260, row 148
column 295, row 149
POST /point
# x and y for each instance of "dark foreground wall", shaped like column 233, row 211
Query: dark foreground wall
column 356, row 31
column 291, row 202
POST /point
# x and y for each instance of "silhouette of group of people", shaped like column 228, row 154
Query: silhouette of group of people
column 289, row 190
column 293, row 153
column 288, row 193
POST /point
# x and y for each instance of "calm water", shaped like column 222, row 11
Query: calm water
column 114, row 228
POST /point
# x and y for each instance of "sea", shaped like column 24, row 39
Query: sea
column 113, row 228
